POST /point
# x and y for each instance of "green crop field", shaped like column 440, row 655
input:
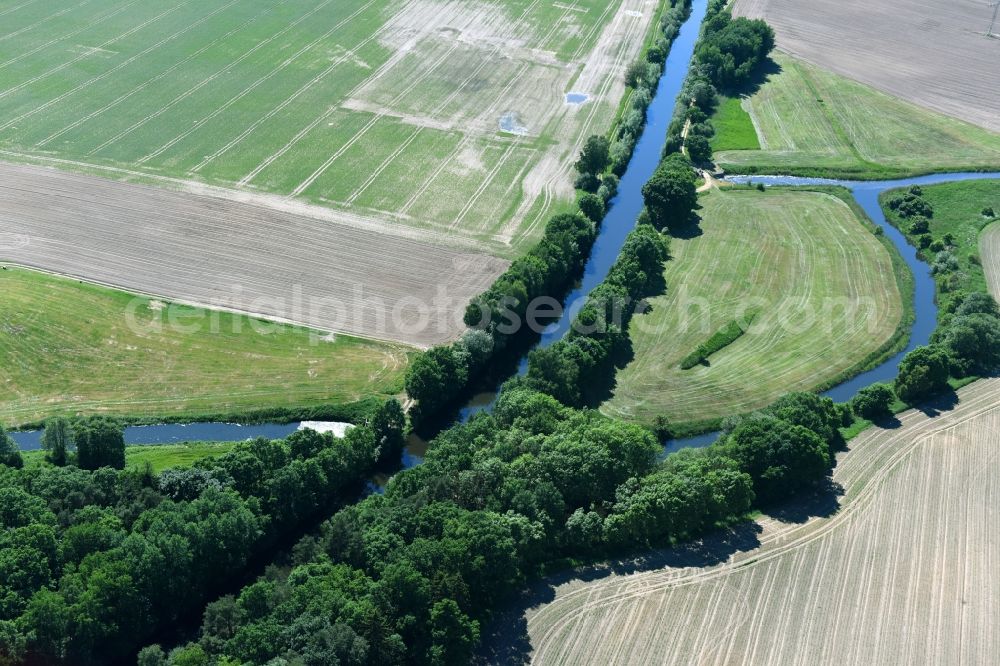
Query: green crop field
column 68, row 348
column 823, row 288
column 810, row 121
column 388, row 110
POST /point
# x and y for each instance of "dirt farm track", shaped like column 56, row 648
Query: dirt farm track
column 895, row 564
column 231, row 254
column 932, row 53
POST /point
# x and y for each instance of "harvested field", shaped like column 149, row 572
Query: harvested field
column 386, row 110
column 813, row 121
column 989, row 247
column 223, row 253
column 822, row 286
column 934, row 54
column 902, row 572
column 68, row 348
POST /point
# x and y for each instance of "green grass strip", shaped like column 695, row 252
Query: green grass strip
column 722, row 338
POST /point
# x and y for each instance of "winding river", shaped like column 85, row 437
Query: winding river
column 621, row 218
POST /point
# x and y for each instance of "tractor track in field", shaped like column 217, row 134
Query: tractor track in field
column 898, row 573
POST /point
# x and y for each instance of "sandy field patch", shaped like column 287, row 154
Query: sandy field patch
column 227, row 254
column 896, row 564
column 932, row 53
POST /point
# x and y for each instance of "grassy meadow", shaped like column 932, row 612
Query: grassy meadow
column 384, row 109
column 958, row 210
column 159, row 456
column 820, row 286
column 734, row 128
column 813, row 122
column 71, row 348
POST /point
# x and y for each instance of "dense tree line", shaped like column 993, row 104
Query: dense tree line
column 410, row 576
column 967, row 338
column 728, row 52
column 598, row 335
column 643, row 76
column 444, row 375
column 94, row 562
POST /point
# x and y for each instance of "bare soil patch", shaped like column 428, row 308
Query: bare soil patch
column 934, row 54
column 228, row 254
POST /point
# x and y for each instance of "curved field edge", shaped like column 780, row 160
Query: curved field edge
column 989, row 243
column 71, row 348
column 690, row 423
column 894, row 557
column 811, row 122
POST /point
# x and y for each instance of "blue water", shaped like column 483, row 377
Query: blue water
column 621, row 218
column 866, row 193
column 624, row 208
column 576, row 98
column 169, row 433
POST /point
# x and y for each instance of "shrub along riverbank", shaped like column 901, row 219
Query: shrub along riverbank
column 447, row 375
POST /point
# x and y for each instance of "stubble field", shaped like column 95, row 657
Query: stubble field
column 903, row 572
column 810, row 120
column 822, row 284
column 391, row 111
column 934, row 54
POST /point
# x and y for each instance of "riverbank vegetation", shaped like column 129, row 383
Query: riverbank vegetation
column 159, row 457
column 828, row 297
column 944, row 222
column 95, row 562
column 815, row 123
column 411, row 575
column 728, row 54
column 68, row 348
column 448, row 374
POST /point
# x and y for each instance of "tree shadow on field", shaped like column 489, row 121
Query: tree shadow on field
column 938, row 405
column 505, row 639
column 764, row 72
column 690, row 228
column 823, row 502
